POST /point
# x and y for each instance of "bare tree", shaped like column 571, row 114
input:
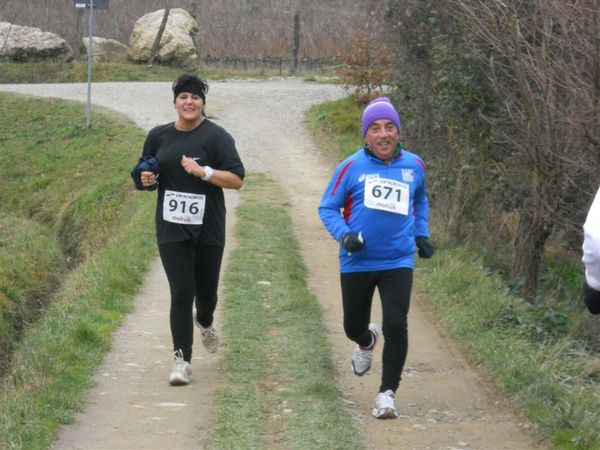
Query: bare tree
column 295, row 42
column 159, row 35
column 530, row 48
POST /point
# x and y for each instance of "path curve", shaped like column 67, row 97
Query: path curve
column 443, row 401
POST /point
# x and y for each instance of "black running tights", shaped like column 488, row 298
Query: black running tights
column 394, row 290
column 193, row 272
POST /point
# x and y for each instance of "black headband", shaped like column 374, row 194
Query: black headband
column 191, row 87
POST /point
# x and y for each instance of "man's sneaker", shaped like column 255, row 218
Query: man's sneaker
column 385, row 405
column 209, row 337
column 361, row 358
column 181, row 373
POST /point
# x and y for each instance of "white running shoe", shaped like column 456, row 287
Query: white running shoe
column 385, row 405
column 209, row 337
column 181, row 373
column 361, row 358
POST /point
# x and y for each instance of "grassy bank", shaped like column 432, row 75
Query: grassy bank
column 337, row 121
column 533, row 353
column 75, row 242
column 554, row 380
column 77, row 72
column 64, row 184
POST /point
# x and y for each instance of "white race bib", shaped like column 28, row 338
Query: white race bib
column 183, row 207
column 386, row 195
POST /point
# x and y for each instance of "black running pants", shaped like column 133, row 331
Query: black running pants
column 193, row 272
column 394, row 290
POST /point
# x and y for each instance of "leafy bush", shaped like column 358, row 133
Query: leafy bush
column 366, row 68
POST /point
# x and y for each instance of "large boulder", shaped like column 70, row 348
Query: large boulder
column 105, row 50
column 178, row 44
column 28, row 44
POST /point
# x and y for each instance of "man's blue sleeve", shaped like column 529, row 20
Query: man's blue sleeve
column 333, row 201
column 421, row 205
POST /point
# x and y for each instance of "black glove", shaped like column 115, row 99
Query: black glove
column 591, row 297
column 426, row 250
column 352, row 242
column 145, row 164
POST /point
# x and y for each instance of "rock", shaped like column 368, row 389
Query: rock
column 28, row 44
column 105, row 50
column 178, row 43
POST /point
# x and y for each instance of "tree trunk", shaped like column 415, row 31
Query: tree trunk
column 161, row 30
column 79, row 30
column 529, row 244
column 455, row 221
column 295, row 43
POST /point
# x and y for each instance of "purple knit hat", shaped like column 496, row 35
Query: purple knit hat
column 380, row 108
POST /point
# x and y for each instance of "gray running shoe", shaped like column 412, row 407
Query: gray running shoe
column 385, row 405
column 209, row 337
column 361, row 358
column 181, row 373
column 210, row 340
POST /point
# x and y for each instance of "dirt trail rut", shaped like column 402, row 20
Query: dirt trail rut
column 443, row 402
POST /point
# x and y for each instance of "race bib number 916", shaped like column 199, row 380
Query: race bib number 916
column 386, row 195
column 183, row 207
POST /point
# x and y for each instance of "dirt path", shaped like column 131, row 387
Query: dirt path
column 443, row 402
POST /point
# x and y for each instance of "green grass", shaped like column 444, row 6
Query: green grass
column 544, row 375
column 77, row 72
column 31, row 265
column 59, row 173
column 335, row 123
column 63, row 190
column 55, row 361
column 75, row 241
column 280, row 390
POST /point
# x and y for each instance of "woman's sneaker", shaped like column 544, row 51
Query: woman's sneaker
column 208, row 336
column 181, row 373
column 210, row 340
column 385, row 405
column 361, row 357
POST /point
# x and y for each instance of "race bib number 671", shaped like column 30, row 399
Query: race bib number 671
column 386, row 195
column 183, row 207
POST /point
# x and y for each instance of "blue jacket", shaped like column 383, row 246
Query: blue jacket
column 386, row 203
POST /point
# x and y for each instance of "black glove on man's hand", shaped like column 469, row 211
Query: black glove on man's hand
column 426, row 250
column 352, row 242
column 591, row 297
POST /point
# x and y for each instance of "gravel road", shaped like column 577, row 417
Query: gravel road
column 444, row 403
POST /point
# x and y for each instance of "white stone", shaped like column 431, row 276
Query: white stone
column 29, row 44
column 105, row 50
column 178, row 44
